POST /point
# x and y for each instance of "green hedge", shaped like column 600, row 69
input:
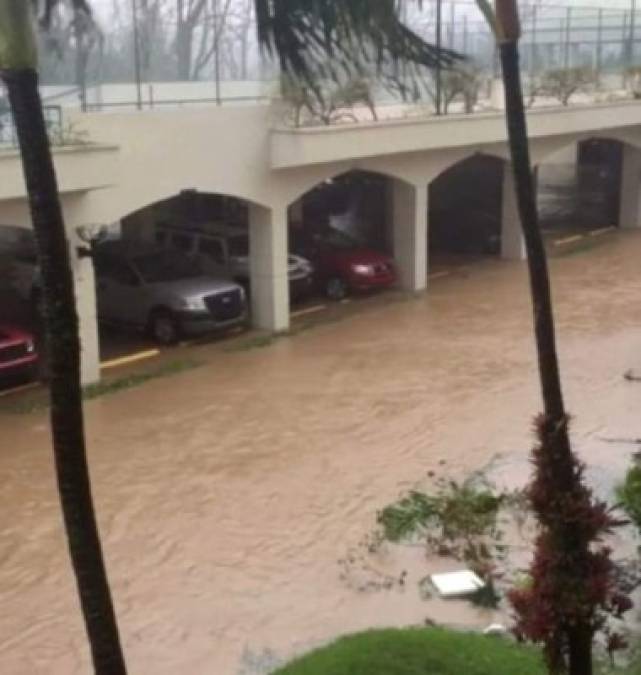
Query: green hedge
column 418, row 651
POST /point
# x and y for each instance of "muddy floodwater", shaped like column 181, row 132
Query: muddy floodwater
column 227, row 494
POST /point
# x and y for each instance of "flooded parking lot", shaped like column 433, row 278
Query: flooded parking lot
column 227, row 494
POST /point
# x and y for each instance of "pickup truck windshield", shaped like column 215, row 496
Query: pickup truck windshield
column 165, row 266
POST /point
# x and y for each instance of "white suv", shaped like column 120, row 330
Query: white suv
column 223, row 251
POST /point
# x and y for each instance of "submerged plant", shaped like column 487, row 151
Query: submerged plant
column 458, row 520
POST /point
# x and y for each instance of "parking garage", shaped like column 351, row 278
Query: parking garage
column 387, row 180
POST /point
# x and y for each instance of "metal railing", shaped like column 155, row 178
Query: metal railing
column 151, row 104
column 555, row 36
column 53, row 119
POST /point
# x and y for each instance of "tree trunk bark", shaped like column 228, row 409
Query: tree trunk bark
column 580, row 644
column 559, row 465
column 67, row 424
column 537, row 259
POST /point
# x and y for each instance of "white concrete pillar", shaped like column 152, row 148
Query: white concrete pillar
column 268, row 268
column 497, row 94
column 512, row 241
column 85, row 287
column 408, row 211
column 630, row 197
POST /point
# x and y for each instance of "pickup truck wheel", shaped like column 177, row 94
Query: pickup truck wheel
column 336, row 289
column 164, row 327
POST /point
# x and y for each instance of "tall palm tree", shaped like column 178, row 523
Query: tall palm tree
column 18, row 70
column 573, row 579
column 560, row 610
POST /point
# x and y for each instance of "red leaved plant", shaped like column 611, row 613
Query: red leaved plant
column 573, row 585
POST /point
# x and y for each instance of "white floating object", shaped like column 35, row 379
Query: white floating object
column 495, row 629
column 457, row 584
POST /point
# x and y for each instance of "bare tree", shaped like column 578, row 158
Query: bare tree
column 188, row 14
column 337, row 103
column 209, row 38
column 563, row 83
column 463, row 83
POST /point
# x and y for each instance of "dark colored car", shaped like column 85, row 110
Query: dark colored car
column 345, row 266
column 18, row 354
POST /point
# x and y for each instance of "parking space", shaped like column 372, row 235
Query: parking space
column 466, row 211
column 343, row 226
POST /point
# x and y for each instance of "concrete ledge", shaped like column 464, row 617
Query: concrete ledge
column 79, row 168
column 318, row 145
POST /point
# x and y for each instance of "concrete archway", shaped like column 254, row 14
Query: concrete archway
column 465, row 204
column 258, row 260
column 238, row 230
column 472, row 211
column 591, row 183
column 381, row 212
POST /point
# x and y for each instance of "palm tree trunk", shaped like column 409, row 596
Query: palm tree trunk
column 558, row 465
column 61, row 321
column 537, row 260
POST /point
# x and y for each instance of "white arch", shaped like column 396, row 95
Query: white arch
column 544, row 150
column 304, row 182
column 468, row 157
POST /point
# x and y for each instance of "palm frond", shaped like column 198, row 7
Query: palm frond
column 354, row 36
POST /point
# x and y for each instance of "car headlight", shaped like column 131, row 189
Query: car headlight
column 364, row 270
column 31, row 347
column 192, row 304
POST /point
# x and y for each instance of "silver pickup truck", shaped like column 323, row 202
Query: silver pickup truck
column 163, row 292
column 223, row 251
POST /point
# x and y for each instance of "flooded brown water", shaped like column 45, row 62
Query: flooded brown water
column 227, row 494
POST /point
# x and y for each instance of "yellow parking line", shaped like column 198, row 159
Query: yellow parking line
column 130, row 358
column 22, row 387
column 569, row 240
column 308, row 310
column 603, row 230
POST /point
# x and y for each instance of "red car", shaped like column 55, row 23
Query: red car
column 344, row 266
column 18, row 355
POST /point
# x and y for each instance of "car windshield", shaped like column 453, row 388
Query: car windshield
column 239, row 246
column 165, row 266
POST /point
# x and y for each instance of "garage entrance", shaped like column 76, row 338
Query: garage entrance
column 208, row 255
column 354, row 203
column 579, row 187
column 344, row 227
column 465, row 210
